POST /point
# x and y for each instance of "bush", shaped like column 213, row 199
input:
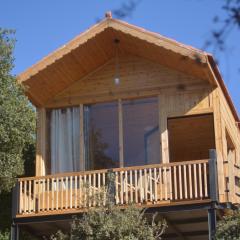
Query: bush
column 229, row 227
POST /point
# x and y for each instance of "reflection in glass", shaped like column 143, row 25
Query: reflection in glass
column 141, row 132
column 101, row 136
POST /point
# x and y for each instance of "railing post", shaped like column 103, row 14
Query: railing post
column 213, row 175
column 15, row 200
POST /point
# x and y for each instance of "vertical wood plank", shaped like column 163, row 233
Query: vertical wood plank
column 190, row 181
column 155, row 185
column 41, row 142
column 131, row 186
column 136, row 186
column 175, row 183
column 185, row 182
column 117, row 185
column 200, row 180
column 195, row 181
column 180, row 181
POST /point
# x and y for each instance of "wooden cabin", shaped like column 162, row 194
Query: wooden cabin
column 153, row 112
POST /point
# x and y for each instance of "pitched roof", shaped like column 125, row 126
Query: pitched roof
column 94, row 47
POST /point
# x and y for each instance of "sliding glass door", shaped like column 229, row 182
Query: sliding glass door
column 141, row 136
column 101, row 136
column 128, row 128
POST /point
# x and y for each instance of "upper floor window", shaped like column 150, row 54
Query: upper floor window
column 107, row 135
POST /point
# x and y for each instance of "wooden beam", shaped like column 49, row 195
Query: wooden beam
column 41, row 142
column 219, row 145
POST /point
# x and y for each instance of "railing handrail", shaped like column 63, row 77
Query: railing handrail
column 82, row 173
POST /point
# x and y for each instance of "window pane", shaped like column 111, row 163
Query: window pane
column 101, row 136
column 141, row 132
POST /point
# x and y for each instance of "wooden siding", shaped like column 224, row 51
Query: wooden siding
column 138, row 77
column 231, row 167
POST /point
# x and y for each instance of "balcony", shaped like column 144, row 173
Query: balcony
column 149, row 185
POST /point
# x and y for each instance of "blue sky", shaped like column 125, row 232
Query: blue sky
column 44, row 25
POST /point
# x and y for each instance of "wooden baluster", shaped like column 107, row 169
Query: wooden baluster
column 90, row 190
column 190, row 181
column 47, row 194
column 62, row 190
column 117, row 184
column 136, row 186
column 140, row 186
column 170, row 182
column 71, row 185
column 200, row 179
column 80, row 191
column 126, row 186
column 205, row 180
column 34, row 196
column 39, row 196
column 165, row 183
column 180, row 181
column 131, row 187
column 175, row 183
column 145, row 185
column 155, row 185
column 121, row 187
column 66, row 193
column 85, row 190
column 56, row 193
column 75, row 191
column 25, row 198
column 195, row 181
column 94, row 189
column 53, row 190
column 185, row 182
column 161, row 184
column 150, row 182
column 29, row 196
column 99, row 189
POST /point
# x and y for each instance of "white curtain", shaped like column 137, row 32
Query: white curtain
column 65, row 140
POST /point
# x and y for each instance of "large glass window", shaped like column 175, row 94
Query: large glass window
column 101, row 136
column 141, row 132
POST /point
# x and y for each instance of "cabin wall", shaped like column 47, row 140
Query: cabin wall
column 138, row 77
column 230, row 138
column 178, row 95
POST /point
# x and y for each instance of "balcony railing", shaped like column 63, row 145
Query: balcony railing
column 142, row 185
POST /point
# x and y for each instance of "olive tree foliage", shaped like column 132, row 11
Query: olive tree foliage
column 229, row 227
column 110, row 222
column 17, row 117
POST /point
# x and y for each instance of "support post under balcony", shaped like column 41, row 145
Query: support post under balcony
column 213, row 175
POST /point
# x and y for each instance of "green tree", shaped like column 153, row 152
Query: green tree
column 109, row 222
column 17, row 129
column 17, row 118
column 229, row 227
